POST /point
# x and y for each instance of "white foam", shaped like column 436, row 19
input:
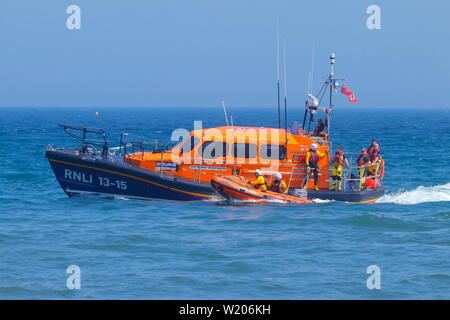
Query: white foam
column 419, row 195
column 315, row 200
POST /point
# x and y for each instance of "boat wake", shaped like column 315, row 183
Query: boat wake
column 419, row 195
column 315, row 200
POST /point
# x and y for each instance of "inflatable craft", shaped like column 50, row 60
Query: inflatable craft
column 238, row 188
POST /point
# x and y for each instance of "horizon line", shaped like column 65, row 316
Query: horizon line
column 213, row 106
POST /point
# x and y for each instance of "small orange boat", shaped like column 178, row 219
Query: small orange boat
column 238, row 188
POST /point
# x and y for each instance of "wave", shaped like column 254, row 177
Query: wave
column 419, row 195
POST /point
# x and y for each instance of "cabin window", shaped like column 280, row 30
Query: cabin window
column 244, row 150
column 214, row 149
column 189, row 145
column 272, row 152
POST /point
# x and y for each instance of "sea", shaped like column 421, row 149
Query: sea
column 56, row 247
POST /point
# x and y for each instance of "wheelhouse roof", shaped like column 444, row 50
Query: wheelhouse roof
column 241, row 132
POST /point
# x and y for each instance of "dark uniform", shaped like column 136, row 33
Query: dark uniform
column 319, row 130
column 312, row 161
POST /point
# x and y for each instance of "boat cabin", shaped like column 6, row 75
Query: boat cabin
column 236, row 150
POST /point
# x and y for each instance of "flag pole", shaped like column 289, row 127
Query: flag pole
column 332, row 58
column 285, row 95
column 312, row 67
column 278, row 72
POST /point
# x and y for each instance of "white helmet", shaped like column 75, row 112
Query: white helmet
column 313, row 146
column 277, row 176
column 258, row 172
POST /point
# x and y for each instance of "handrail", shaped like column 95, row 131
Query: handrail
column 349, row 174
column 83, row 134
column 140, row 146
column 84, row 137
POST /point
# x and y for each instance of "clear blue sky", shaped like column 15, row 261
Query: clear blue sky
column 192, row 53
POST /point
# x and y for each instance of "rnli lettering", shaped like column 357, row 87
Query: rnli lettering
column 89, row 179
column 78, row 176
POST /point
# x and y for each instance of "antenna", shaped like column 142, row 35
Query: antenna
column 225, row 112
column 309, row 82
column 278, row 70
column 285, row 91
column 332, row 57
column 312, row 67
column 231, row 119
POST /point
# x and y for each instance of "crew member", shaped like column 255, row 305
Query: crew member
column 312, row 164
column 341, row 150
column 260, row 182
column 337, row 169
column 319, row 130
column 278, row 185
column 374, row 153
column 362, row 161
column 372, row 145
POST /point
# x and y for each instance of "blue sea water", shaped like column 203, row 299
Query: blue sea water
column 129, row 249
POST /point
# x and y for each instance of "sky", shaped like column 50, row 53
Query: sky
column 196, row 53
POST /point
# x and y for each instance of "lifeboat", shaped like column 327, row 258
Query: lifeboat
column 207, row 159
column 238, row 188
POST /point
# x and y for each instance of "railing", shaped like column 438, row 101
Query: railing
column 351, row 179
column 139, row 146
column 89, row 138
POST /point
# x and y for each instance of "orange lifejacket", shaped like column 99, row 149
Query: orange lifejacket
column 381, row 169
column 372, row 183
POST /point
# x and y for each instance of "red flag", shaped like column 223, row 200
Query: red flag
column 346, row 90
column 352, row 98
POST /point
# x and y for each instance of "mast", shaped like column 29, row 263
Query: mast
column 311, row 79
column 278, row 72
column 310, row 87
column 285, row 93
column 332, row 58
column 225, row 113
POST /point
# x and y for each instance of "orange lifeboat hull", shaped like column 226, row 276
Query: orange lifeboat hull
column 238, row 188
